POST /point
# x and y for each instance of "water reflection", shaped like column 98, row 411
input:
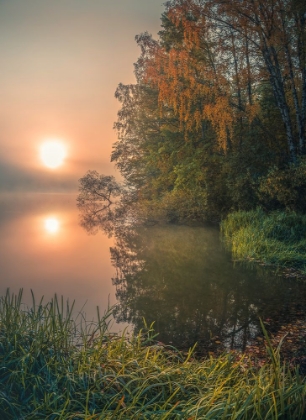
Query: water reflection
column 52, row 225
column 179, row 277
column 183, row 279
column 43, row 248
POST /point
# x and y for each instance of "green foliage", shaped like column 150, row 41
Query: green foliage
column 54, row 368
column 277, row 238
column 200, row 133
column 214, row 123
column 285, row 188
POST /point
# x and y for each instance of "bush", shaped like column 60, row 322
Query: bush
column 285, row 188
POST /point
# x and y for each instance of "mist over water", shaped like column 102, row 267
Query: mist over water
column 43, row 248
column 181, row 278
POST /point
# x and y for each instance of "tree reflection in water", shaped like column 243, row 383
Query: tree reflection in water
column 182, row 279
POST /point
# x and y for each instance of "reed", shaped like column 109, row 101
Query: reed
column 53, row 366
column 277, row 238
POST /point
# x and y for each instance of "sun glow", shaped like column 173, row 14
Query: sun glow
column 52, row 225
column 53, row 153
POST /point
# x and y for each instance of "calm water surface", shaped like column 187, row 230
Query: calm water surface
column 179, row 277
column 43, row 248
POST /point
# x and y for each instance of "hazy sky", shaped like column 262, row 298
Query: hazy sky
column 61, row 61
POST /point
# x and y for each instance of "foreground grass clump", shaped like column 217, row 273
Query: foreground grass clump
column 278, row 238
column 52, row 367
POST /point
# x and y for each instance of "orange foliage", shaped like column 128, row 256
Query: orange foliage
column 193, row 80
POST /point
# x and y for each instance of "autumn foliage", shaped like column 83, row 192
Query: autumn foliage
column 219, row 100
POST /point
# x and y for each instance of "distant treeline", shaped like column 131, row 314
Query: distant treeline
column 215, row 122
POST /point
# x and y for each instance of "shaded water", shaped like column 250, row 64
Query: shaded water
column 179, row 277
column 183, row 279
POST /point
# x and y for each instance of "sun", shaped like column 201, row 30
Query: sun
column 53, row 153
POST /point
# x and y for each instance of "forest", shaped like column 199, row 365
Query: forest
column 215, row 122
column 213, row 129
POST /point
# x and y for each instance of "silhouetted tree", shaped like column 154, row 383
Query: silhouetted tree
column 96, row 201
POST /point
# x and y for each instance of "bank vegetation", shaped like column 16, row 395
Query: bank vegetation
column 56, row 366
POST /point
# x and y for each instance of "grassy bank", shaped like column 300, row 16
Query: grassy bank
column 52, row 367
column 278, row 238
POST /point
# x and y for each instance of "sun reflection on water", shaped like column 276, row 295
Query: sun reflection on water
column 52, row 225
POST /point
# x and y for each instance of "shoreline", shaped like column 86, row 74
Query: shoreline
column 45, row 373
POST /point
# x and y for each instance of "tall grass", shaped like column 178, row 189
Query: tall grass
column 54, row 367
column 278, row 238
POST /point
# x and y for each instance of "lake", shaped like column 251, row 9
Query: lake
column 181, row 278
column 43, row 248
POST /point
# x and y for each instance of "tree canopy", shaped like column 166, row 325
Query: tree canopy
column 215, row 121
